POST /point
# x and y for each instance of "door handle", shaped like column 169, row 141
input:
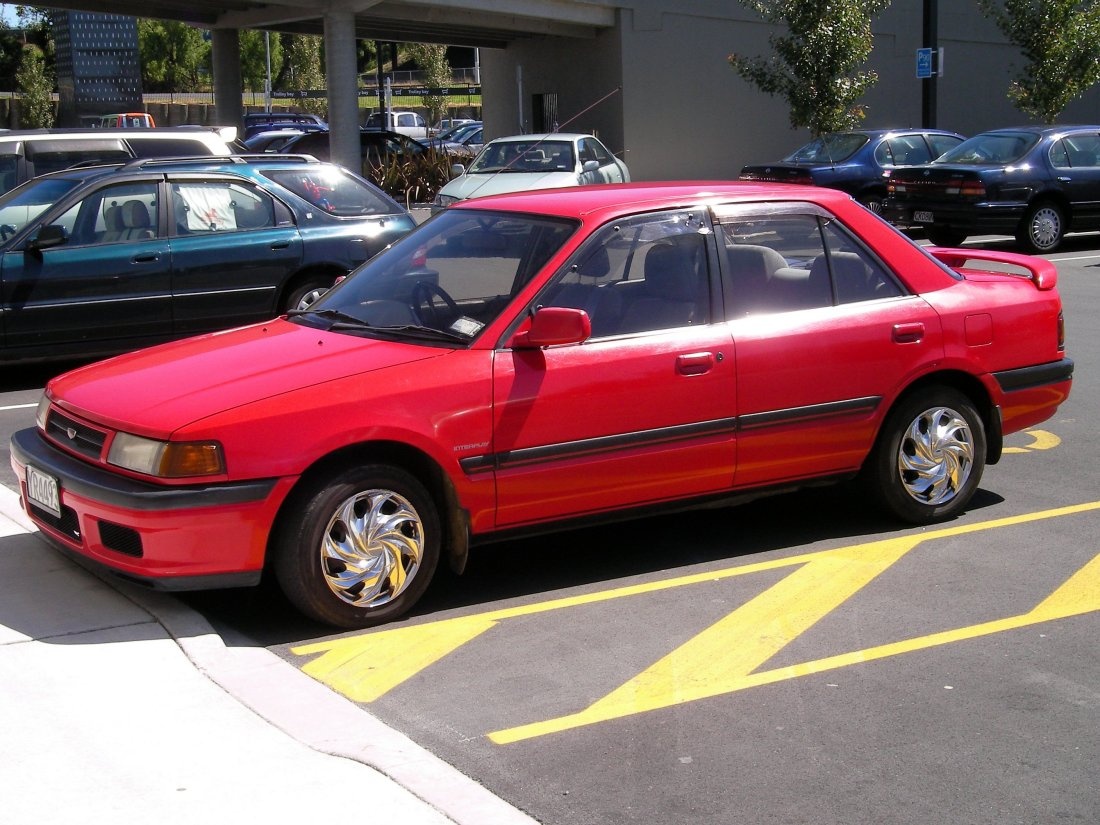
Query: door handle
column 147, row 258
column 280, row 245
column 908, row 333
column 1063, row 179
column 695, row 363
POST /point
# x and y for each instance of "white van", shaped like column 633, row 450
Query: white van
column 405, row 123
column 28, row 153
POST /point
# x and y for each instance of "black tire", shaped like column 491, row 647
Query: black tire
column 945, row 236
column 921, row 476
column 872, row 200
column 1042, row 229
column 396, row 532
column 308, row 291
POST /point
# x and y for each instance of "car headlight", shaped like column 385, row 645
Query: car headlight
column 444, row 201
column 166, row 459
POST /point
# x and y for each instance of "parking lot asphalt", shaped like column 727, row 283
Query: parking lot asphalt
column 122, row 705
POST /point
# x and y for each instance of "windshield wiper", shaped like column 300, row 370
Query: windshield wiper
column 426, row 333
column 341, row 319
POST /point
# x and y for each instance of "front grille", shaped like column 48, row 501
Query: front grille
column 75, row 436
column 121, row 539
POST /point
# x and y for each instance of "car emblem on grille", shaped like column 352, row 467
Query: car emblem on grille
column 927, row 172
column 71, row 433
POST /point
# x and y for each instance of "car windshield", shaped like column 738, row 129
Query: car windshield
column 525, row 156
column 833, row 148
column 22, row 205
column 999, row 148
column 333, row 190
column 444, row 282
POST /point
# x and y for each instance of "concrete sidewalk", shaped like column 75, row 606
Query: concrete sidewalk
column 118, row 705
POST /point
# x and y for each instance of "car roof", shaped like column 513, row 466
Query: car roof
column 609, row 201
column 540, row 136
column 239, row 164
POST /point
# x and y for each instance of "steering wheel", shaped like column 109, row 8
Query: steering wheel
column 430, row 314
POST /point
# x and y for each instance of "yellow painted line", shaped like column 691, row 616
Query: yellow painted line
column 1040, row 440
column 1080, row 594
column 365, row 667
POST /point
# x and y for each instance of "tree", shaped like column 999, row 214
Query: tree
column 1060, row 39
column 432, row 61
column 174, row 56
column 302, row 70
column 814, row 63
column 36, row 85
column 254, row 51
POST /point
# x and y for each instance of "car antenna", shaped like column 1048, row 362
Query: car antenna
column 557, row 128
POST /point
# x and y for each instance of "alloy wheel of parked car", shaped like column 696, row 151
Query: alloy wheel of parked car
column 930, row 456
column 1042, row 229
column 362, row 549
column 301, row 297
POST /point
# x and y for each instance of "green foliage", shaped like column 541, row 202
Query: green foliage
column 410, row 179
column 174, row 56
column 432, row 60
column 254, row 50
column 302, row 70
column 814, row 65
column 1060, row 39
column 36, row 86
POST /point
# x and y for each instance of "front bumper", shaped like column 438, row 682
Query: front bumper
column 165, row 537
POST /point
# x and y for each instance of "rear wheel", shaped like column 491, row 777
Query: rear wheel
column 945, row 236
column 1042, row 228
column 930, row 456
column 360, row 548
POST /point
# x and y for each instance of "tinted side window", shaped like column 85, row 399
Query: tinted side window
column 909, row 150
column 942, row 143
column 56, row 161
column 1079, row 150
column 173, row 147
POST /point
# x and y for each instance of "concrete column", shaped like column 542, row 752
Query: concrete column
column 225, row 45
column 343, row 90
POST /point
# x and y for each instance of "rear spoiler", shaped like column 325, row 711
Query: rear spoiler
column 1040, row 271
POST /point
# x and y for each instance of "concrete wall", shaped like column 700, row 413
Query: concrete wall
column 686, row 114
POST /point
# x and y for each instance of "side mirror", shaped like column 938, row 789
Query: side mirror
column 551, row 326
column 49, row 236
column 457, row 169
column 590, row 166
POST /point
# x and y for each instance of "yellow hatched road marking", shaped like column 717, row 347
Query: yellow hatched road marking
column 1040, row 440
column 367, row 666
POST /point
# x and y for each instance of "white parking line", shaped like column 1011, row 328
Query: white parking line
column 18, row 407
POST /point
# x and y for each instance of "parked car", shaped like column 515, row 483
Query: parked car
column 449, row 125
column 1033, row 182
column 376, row 147
column 124, row 120
column 521, row 162
column 541, row 360
column 465, row 140
column 271, row 141
column 858, row 162
column 103, row 259
column 27, row 153
column 255, row 122
column 409, row 124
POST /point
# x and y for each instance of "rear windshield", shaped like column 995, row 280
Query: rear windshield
column 991, row 148
column 334, row 191
column 828, row 148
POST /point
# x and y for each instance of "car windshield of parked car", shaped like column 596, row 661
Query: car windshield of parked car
column 525, row 156
column 445, row 282
column 22, row 205
column 828, row 148
column 991, row 148
column 332, row 190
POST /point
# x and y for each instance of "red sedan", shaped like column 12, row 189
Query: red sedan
column 542, row 360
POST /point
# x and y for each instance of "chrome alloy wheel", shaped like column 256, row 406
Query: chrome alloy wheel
column 1045, row 228
column 936, row 456
column 372, row 548
column 309, row 298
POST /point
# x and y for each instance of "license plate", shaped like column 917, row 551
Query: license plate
column 42, row 490
column 921, row 216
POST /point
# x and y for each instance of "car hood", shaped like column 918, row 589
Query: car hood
column 476, row 186
column 156, row 391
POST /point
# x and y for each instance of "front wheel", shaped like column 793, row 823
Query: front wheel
column 360, row 548
column 306, row 293
column 1042, row 228
column 929, row 458
column 945, row 236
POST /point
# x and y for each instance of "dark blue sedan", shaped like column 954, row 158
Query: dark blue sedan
column 858, row 162
column 1033, row 182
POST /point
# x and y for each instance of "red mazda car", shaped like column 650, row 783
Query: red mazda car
column 542, row 360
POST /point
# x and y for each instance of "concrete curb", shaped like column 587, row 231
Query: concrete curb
column 305, row 709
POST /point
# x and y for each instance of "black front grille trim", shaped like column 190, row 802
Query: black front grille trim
column 73, row 435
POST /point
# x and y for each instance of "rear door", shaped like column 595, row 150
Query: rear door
column 1076, row 162
column 233, row 248
column 825, row 335
column 108, row 284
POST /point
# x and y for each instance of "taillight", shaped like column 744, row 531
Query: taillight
column 972, row 189
column 1061, row 332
